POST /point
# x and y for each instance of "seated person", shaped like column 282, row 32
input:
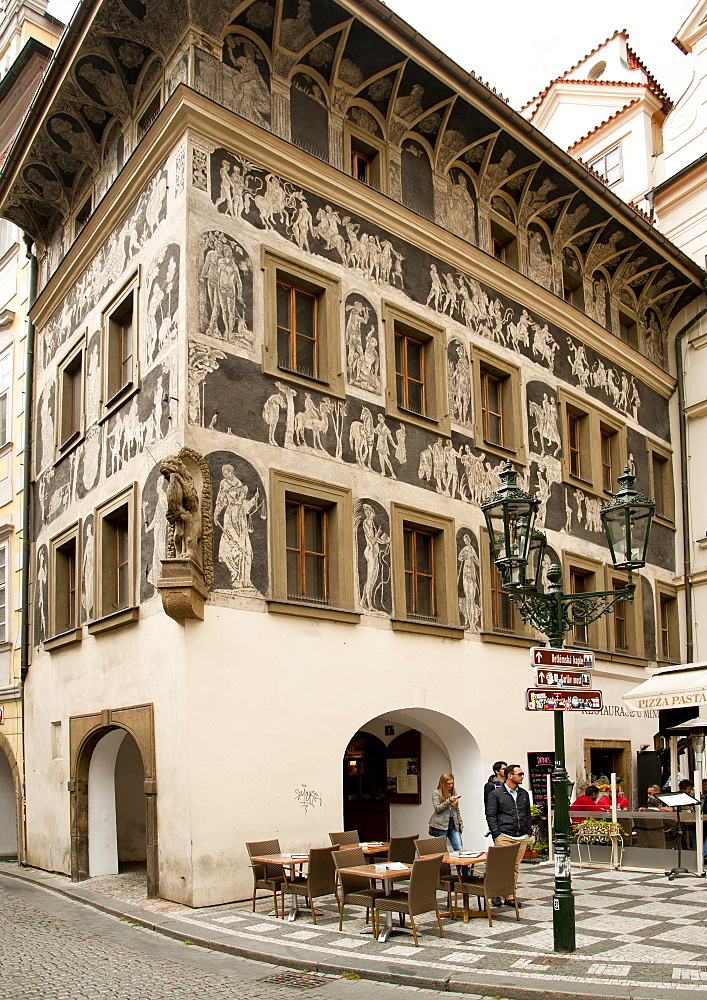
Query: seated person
column 621, row 801
column 586, row 803
column 653, row 802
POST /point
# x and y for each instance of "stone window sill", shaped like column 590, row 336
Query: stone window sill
column 65, row 639
column 439, row 630
column 323, row 613
column 114, row 620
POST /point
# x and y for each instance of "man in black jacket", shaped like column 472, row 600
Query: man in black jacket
column 508, row 815
column 494, row 780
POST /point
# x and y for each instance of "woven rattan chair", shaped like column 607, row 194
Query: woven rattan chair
column 347, row 837
column 421, row 897
column 267, row 877
column 402, row 849
column 355, row 890
column 497, row 880
column 320, row 879
column 447, row 880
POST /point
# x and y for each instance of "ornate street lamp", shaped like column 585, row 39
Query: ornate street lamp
column 627, row 523
column 518, row 553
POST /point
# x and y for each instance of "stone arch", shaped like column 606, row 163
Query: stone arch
column 85, row 733
column 446, row 744
column 15, row 783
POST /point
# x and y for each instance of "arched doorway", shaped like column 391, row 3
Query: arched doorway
column 116, row 805
column 9, row 803
column 113, row 788
column 392, row 765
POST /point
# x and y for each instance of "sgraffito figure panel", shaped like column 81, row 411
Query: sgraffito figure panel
column 372, row 528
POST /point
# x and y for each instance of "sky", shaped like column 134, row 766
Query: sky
column 518, row 47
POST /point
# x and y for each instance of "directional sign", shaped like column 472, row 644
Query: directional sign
column 575, row 659
column 563, row 678
column 557, row 700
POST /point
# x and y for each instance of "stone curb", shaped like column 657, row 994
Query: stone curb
column 466, row 983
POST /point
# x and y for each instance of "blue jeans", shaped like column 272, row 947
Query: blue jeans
column 455, row 839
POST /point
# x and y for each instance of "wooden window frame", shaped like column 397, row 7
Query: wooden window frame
column 446, row 621
column 658, row 454
column 5, row 590
column 114, row 394
column 340, row 554
column 593, row 571
column 400, row 321
column 628, row 323
column 414, row 574
column 67, row 435
column 510, row 377
column 303, row 552
column 359, row 140
column 594, row 424
column 632, row 612
column 598, row 163
column 108, row 617
column 665, row 593
column 503, row 233
column 294, row 334
column 63, row 631
column 330, row 371
column 6, row 397
column 80, row 222
column 520, row 634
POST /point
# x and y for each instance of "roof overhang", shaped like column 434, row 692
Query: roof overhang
column 672, row 687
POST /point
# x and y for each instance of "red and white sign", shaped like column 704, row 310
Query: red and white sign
column 563, row 678
column 2, row 716
column 574, row 659
column 557, row 700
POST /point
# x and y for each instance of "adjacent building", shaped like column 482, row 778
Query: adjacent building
column 27, row 37
column 305, row 287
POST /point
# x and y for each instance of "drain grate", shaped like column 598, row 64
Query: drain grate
column 296, row 980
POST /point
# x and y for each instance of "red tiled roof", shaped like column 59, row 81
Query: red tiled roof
column 601, row 124
column 579, row 62
column 634, row 63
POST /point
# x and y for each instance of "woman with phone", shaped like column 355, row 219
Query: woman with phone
column 446, row 820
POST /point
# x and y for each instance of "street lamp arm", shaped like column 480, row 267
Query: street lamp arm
column 555, row 613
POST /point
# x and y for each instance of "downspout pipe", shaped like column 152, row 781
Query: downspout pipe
column 684, row 485
column 27, row 508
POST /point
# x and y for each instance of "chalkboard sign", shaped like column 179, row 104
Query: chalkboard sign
column 539, row 766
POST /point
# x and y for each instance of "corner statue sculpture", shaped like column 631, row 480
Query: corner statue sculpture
column 187, row 570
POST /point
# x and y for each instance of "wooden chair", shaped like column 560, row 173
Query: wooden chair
column 403, row 849
column 447, row 880
column 420, row 898
column 269, row 877
column 497, row 880
column 319, row 881
column 355, row 889
column 347, row 837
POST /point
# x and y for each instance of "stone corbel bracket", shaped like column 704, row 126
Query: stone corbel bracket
column 187, row 572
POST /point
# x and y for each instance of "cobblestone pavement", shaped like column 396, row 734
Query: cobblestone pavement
column 638, row 936
column 57, row 949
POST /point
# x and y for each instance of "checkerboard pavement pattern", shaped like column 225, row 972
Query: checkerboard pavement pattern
column 633, row 931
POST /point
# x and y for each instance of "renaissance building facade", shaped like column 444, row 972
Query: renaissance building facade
column 304, row 288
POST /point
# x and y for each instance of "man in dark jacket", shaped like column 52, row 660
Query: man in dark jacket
column 494, row 780
column 508, row 815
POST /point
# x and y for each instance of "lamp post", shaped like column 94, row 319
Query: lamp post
column 518, row 553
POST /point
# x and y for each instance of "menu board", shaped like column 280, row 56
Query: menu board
column 539, row 766
column 403, row 775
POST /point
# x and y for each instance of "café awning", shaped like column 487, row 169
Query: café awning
column 671, row 687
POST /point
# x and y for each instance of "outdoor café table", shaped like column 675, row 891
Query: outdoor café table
column 284, row 861
column 387, row 876
column 369, row 847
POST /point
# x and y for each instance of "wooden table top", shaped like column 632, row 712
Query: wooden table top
column 367, row 848
column 279, row 859
column 377, row 871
